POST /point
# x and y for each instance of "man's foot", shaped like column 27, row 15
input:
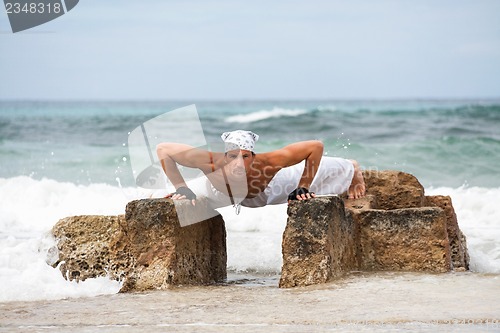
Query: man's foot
column 358, row 188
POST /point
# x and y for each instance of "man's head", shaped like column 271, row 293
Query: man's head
column 239, row 139
column 239, row 150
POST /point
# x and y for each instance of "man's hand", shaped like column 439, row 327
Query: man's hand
column 300, row 193
column 183, row 192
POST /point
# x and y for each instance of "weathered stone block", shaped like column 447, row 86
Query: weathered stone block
column 318, row 242
column 411, row 239
column 458, row 243
column 353, row 208
column 89, row 246
column 167, row 254
column 394, row 189
column 147, row 248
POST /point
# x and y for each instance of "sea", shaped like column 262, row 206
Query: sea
column 64, row 158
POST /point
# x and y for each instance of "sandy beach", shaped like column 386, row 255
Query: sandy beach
column 396, row 302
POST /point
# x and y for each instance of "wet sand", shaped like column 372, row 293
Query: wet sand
column 374, row 302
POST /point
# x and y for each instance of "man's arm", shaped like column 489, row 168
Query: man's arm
column 171, row 154
column 310, row 151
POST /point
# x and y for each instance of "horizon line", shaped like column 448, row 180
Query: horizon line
column 277, row 99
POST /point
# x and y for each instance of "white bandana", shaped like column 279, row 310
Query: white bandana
column 244, row 140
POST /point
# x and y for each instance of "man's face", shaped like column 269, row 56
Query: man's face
column 239, row 161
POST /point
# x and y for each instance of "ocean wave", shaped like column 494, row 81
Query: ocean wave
column 265, row 114
column 31, row 207
column 29, row 210
column 478, row 216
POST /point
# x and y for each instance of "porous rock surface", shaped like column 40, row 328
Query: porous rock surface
column 394, row 228
column 318, row 242
column 146, row 249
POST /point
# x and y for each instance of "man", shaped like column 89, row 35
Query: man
column 239, row 176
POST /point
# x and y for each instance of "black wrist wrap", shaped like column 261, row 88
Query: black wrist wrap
column 183, row 190
column 298, row 191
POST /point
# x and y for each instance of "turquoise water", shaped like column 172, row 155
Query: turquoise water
column 444, row 143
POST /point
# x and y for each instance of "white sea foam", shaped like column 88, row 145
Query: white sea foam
column 478, row 216
column 254, row 238
column 265, row 114
column 31, row 207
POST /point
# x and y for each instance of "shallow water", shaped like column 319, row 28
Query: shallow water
column 375, row 302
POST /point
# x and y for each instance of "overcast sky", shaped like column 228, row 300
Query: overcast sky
column 181, row 49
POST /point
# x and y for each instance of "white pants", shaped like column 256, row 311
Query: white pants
column 334, row 176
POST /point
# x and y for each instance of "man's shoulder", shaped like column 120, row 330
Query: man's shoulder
column 271, row 158
column 269, row 154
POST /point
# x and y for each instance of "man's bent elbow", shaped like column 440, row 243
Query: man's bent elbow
column 318, row 146
column 162, row 150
